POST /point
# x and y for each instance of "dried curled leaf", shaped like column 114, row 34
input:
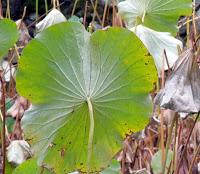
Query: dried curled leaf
column 181, row 92
column 24, row 36
column 21, row 104
column 18, row 151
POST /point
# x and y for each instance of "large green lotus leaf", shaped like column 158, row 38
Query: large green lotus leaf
column 88, row 93
column 160, row 15
column 8, row 35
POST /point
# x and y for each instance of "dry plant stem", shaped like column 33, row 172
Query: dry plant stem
column 114, row 13
column 140, row 160
column 58, row 4
column 194, row 158
column 188, row 33
column 85, row 13
column 41, row 17
column 54, row 4
column 91, row 134
column 165, row 55
column 8, row 9
column 1, row 12
column 16, row 50
column 187, row 141
column 193, row 19
column 95, row 11
column 24, row 13
column 168, row 142
column 3, row 111
column 180, row 128
column 175, row 147
column 104, row 13
column 135, row 156
column 6, row 129
column 188, row 21
column 162, row 119
column 74, row 7
column 162, row 138
column 10, row 61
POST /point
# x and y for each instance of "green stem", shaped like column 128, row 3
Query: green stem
column 36, row 9
column 168, row 142
column 8, row 9
column 91, row 133
column 3, row 111
column 194, row 158
column 46, row 6
column 175, row 147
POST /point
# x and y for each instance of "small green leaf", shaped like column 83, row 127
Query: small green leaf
column 88, row 93
column 156, row 162
column 8, row 35
column 159, row 15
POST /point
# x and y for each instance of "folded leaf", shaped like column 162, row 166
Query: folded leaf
column 156, row 43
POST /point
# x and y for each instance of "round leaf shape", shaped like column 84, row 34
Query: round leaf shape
column 8, row 35
column 88, row 93
column 159, row 15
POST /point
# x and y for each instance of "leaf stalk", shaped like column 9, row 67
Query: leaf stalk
column 91, row 133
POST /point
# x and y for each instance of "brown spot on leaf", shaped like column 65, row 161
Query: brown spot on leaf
column 62, row 152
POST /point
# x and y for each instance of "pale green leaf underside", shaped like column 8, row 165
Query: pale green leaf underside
column 156, row 43
column 8, row 35
column 60, row 70
column 159, row 15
